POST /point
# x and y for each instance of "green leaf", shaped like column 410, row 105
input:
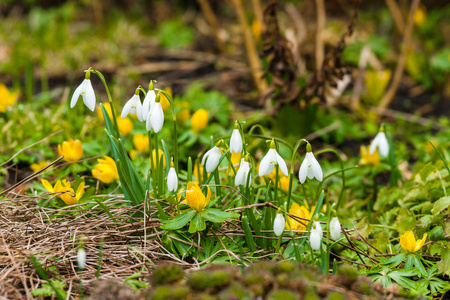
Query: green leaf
column 396, row 260
column 217, row 216
column 440, row 205
column 444, row 264
column 197, row 224
column 179, row 221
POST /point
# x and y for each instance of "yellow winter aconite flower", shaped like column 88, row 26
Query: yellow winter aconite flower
column 409, row 243
column 284, row 183
column 107, row 107
column 199, row 120
column 6, row 98
column 420, row 15
column 165, row 103
column 133, row 153
column 235, row 158
column 195, row 198
column 161, row 154
column 71, row 149
column 299, row 211
column 367, row 158
column 67, row 193
column 105, row 170
column 125, row 126
column 256, row 29
column 184, row 112
column 39, row 166
column 140, row 142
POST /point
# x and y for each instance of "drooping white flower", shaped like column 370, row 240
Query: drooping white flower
column 236, row 140
column 212, row 158
column 149, row 100
column 335, row 228
column 243, row 173
column 155, row 118
column 310, row 167
column 133, row 106
column 86, row 91
column 269, row 161
column 279, row 224
column 81, row 258
column 315, row 236
column 172, row 179
column 380, row 141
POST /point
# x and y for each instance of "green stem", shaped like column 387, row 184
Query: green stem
column 152, row 164
column 291, row 173
column 175, row 132
column 102, row 78
column 157, row 187
column 341, row 195
column 275, row 196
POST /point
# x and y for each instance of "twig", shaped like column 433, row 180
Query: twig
column 321, row 19
column 212, row 20
column 250, row 45
column 397, row 15
column 407, row 40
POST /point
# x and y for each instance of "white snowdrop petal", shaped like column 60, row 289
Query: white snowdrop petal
column 157, row 117
column 383, row 144
column 206, row 156
column 236, row 141
column 76, row 95
column 315, row 167
column 319, row 228
column 126, row 108
column 374, row 145
column 89, row 97
column 278, row 224
column 172, row 180
column 303, row 172
column 282, row 164
column 335, row 228
column 315, row 240
column 81, row 258
column 213, row 160
column 265, row 167
column 148, row 102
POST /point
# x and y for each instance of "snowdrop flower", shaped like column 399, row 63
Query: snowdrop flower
column 133, row 106
column 236, row 140
column 148, row 100
column 212, row 158
column 380, row 141
column 315, row 237
column 278, row 223
column 86, row 91
column 172, row 179
column 243, row 173
column 155, row 118
column 271, row 159
column 335, row 228
column 310, row 167
column 81, row 258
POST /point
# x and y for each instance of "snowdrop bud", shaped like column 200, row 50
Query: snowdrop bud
column 86, row 91
column 81, row 258
column 380, row 141
column 172, row 179
column 279, row 223
column 243, row 174
column 315, row 239
column 310, row 167
column 335, row 228
column 236, row 140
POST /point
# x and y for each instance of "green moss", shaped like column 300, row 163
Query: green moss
column 283, row 280
column 335, row 296
column 161, row 293
column 282, row 295
column 285, row 266
column 253, row 278
column 199, row 280
column 348, row 271
column 220, row 279
column 181, row 292
column 311, row 295
column 167, row 274
column 236, row 293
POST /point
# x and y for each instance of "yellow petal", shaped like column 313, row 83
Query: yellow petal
column 408, row 242
column 80, row 191
column 47, row 185
column 419, row 243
